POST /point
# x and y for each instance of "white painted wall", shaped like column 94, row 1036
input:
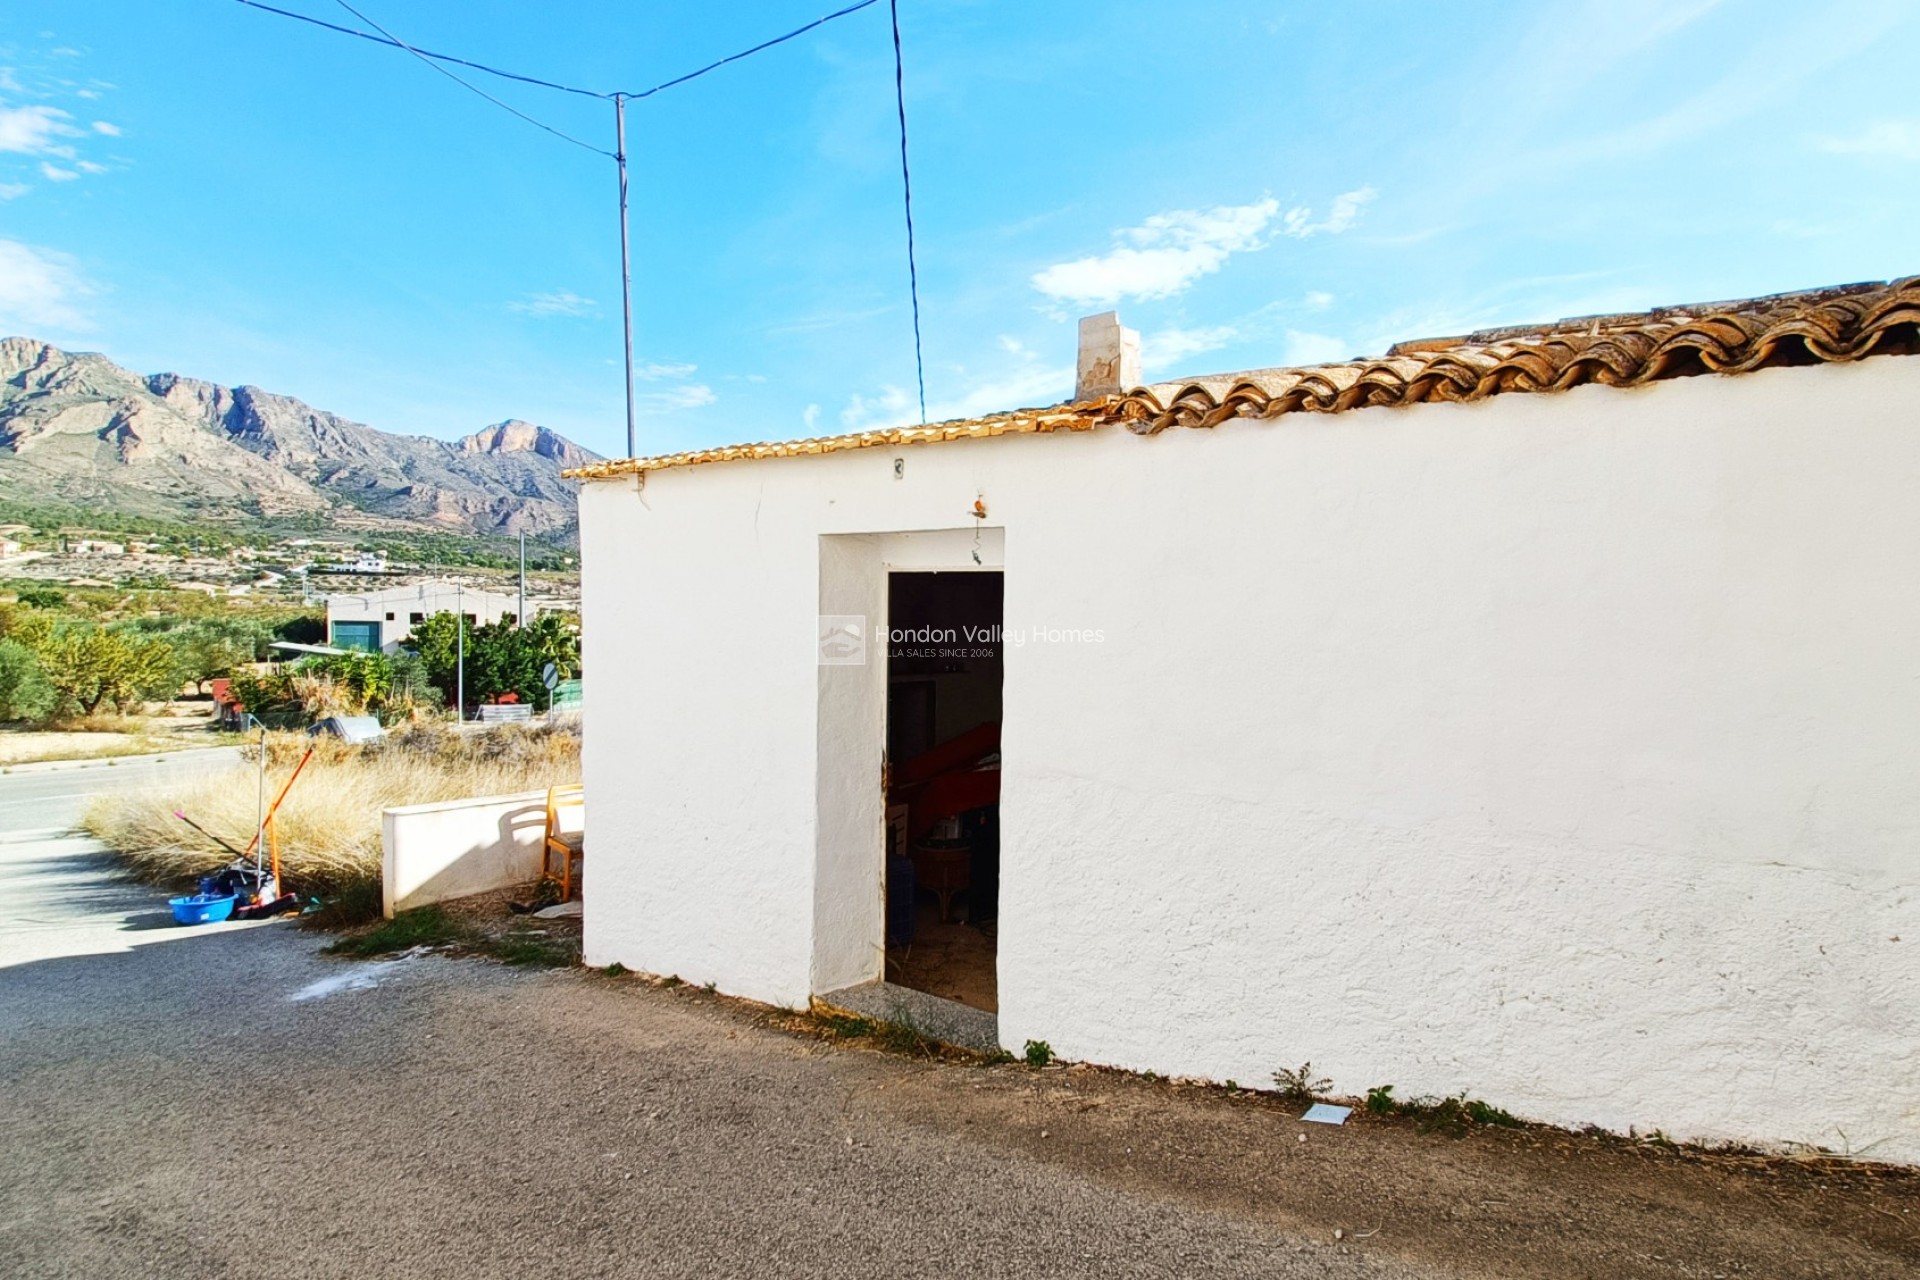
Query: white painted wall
column 1561, row 749
column 433, row 852
column 394, row 607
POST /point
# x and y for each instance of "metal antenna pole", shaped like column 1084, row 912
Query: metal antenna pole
column 460, row 653
column 626, row 258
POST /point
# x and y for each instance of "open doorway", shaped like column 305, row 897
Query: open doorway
column 944, row 664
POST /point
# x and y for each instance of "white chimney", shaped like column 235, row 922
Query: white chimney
column 1109, row 358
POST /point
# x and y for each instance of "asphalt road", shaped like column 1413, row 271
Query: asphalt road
column 230, row 1102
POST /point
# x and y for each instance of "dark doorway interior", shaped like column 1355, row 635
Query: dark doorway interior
column 944, row 662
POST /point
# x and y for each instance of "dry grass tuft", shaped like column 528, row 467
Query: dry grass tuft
column 330, row 823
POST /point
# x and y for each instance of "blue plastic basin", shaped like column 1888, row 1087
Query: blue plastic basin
column 201, row 908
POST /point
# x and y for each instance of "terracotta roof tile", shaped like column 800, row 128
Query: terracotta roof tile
column 1833, row 325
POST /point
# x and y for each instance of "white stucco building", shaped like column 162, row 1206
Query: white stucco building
column 381, row 621
column 1518, row 714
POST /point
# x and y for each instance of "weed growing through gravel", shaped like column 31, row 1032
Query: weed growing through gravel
column 1038, row 1053
column 353, row 905
column 1301, row 1084
column 1453, row 1116
column 424, row 927
column 845, row 1026
column 904, row 1036
column 531, row 949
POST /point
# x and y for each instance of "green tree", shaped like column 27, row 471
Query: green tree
column 24, row 691
column 31, row 627
column 90, row 667
column 215, row 647
column 501, row 657
column 436, row 641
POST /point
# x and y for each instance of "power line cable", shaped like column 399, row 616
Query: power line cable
column 469, row 85
column 906, row 188
column 424, row 53
column 747, row 53
column 392, row 43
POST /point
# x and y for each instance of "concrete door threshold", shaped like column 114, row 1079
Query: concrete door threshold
column 947, row 1021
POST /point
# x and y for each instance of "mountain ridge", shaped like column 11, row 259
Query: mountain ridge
column 78, row 428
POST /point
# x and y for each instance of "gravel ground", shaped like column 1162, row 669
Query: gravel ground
column 234, row 1104
column 230, row 1102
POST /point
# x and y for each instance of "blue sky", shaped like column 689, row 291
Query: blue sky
column 203, row 188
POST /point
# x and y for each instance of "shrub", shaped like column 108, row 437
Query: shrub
column 390, row 686
column 1038, row 1053
column 24, row 691
column 330, row 823
column 1301, row 1084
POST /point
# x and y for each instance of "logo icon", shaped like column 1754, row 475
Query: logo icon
column 843, row 639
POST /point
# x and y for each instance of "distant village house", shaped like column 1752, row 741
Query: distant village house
column 381, row 621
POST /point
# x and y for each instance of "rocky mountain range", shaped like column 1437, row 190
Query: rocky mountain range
column 77, row 429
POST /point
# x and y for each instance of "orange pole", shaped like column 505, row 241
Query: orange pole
column 275, row 806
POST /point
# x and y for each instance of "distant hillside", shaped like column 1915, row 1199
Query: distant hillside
column 77, row 428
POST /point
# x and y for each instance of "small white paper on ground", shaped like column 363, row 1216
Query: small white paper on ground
column 560, row 910
column 1327, row 1113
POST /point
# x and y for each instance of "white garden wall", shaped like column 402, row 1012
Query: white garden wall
column 1561, row 749
column 433, row 852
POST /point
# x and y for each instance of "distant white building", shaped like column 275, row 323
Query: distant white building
column 95, row 547
column 363, row 562
column 8, row 548
column 381, row 621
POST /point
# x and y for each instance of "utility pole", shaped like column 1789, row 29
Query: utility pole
column 626, row 260
column 521, row 617
column 460, row 653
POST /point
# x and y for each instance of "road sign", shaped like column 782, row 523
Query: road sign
column 550, row 677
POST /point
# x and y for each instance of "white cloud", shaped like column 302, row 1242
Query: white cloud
column 1168, row 345
column 32, row 130
column 1345, row 212
column 691, row 396
column 1314, row 348
column 40, row 291
column 653, row 371
column 561, row 302
column 1162, row 256
column 106, row 127
column 1030, row 386
column 888, row 408
column 54, row 173
column 13, row 190
column 1317, row 301
column 811, row 417
column 88, row 166
column 1899, row 139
